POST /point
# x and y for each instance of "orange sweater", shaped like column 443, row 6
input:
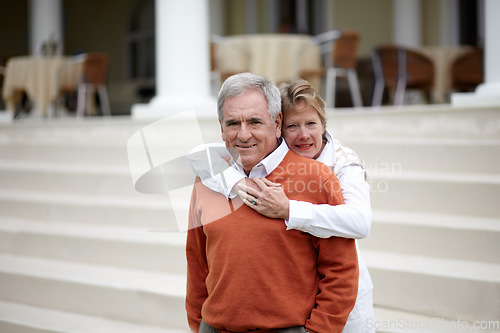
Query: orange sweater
column 246, row 272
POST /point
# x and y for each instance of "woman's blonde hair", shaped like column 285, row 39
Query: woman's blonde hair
column 298, row 90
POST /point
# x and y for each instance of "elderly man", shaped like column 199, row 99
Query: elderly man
column 245, row 271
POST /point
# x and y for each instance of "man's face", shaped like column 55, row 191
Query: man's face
column 247, row 129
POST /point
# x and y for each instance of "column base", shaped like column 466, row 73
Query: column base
column 159, row 107
column 486, row 94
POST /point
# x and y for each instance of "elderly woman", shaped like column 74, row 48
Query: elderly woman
column 304, row 131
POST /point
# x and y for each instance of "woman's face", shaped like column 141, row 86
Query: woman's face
column 303, row 130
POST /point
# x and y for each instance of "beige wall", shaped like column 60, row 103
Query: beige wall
column 431, row 19
column 372, row 19
column 235, row 16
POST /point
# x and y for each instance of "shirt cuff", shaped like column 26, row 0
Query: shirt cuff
column 230, row 177
column 300, row 213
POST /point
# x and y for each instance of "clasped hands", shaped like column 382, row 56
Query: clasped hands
column 264, row 196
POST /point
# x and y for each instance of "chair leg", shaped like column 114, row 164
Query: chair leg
column 378, row 89
column 103, row 96
column 378, row 92
column 82, row 96
column 330, row 87
column 399, row 95
column 352, row 79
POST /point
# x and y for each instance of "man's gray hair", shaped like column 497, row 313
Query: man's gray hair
column 240, row 83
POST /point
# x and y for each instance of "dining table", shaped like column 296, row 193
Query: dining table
column 279, row 57
column 443, row 58
column 40, row 77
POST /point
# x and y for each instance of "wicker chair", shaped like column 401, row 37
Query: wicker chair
column 399, row 68
column 467, row 71
column 344, row 58
column 92, row 80
column 342, row 46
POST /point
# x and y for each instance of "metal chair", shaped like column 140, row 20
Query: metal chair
column 344, row 59
column 94, row 69
column 325, row 40
column 94, row 74
column 400, row 68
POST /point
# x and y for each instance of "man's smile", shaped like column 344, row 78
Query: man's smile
column 245, row 146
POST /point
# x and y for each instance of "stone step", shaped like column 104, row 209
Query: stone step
column 21, row 318
column 435, row 235
column 138, row 297
column 437, row 192
column 389, row 320
column 419, row 121
column 70, row 130
column 86, row 179
column 67, row 153
column 131, row 248
column 115, row 130
column 83, row 151
column 153, row 213
column 380, row 155
column 390, row 155
column 438, row 287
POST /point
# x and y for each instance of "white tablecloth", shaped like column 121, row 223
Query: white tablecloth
column 40, row 78
column 278, row 57
column 443, row 58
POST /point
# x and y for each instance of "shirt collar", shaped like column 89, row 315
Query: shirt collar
column 327, row 156
column 268, row 164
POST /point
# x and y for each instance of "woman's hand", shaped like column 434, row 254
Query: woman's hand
column 269, row 199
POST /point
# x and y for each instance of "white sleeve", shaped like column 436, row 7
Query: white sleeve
column 208, row 161
column 350, row 220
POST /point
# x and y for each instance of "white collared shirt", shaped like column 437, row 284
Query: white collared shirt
column 352, row 220
column 209, row 163
column 267, row 165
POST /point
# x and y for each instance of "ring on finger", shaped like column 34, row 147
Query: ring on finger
column 254, row 201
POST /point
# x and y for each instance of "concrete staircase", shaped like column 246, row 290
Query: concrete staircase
column 82, row 251
column 434, row 247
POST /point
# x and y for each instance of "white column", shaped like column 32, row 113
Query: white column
column 407, row 23
column 487, row 93
column 492, row 43
column 182, row 61
column 45, row 24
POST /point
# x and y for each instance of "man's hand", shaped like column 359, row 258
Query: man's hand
column 267, row 198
